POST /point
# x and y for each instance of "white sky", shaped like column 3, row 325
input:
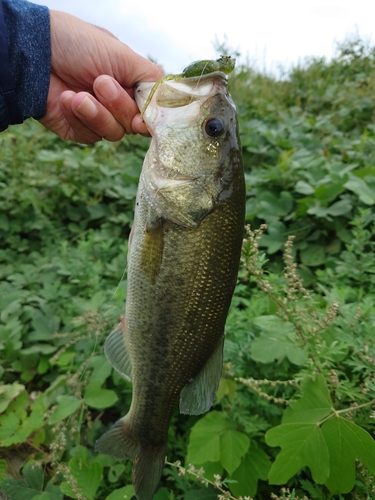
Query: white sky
column 269, row 32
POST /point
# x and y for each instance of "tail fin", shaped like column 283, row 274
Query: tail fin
column 120, row 442
column 147, row 470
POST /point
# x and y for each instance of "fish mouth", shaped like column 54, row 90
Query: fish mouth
column 189, row 85
column 175, row 94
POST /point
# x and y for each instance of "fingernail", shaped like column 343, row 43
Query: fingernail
column 87, row 108
column 107, row 89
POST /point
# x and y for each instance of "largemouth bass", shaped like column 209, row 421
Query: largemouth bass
column 184, row 252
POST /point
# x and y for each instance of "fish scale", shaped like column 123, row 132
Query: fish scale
column 183, row 260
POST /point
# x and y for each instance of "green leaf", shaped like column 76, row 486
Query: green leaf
column 301, row 445
column 31, row 486
column 204, row 442
column 9, row 392
column 314, row 405
column 162, row 494
column 3, row 468
column 304, row 188
column 313, row 255
column 18, row 489
column 54, row 491
column 88, row 475
column 101, row 368
column 34, row 476
column 278, row 341
column 347, row 442
column 99, row 398
column 67, row 405
column 227, row 387
column 44, row 327
column 300, row 438
column 271, row 205
column 210, row 469
column 124, row 493
column 9, row 424
column 254, row 466
column 275, row 237
column 233, row 446
column 341, row 207
column 202, row 494
column 365, row 193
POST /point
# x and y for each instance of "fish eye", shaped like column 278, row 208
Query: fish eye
column 214, row 127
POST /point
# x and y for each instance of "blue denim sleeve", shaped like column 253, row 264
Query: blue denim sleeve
column 25, row 61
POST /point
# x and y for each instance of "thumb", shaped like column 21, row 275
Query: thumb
column 133, row 68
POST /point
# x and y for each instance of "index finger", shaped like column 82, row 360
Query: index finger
column 118, row 102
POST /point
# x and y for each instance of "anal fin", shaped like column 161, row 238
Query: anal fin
column 116, row 351
column 197, row 396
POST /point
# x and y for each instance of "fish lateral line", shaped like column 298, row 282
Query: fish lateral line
column 224, row 64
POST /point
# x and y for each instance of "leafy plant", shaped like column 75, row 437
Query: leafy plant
column 294, row 415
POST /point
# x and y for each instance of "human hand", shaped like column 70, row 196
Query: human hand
column 92, row 77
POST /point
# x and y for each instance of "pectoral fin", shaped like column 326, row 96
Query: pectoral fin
column 116, row 351
column 184, row 201
column 198, row 396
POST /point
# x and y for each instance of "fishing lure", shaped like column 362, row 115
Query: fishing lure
column 225, row 64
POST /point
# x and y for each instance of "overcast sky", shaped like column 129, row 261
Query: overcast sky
column 269, row 32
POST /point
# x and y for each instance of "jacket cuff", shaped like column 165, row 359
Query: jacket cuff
column 27, row 45
column 9, row 109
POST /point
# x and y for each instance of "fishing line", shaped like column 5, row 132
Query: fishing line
column 198, row 82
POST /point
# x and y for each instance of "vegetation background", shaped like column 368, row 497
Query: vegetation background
column 294, row 416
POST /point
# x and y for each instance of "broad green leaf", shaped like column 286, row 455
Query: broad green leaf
column 31, row 486
column 101, row 368
column 227, row 387
column 211, row 468
column 34, row 476
column 275, row 237
column 7, row 393
column 274, row 206
column 277, row 342
column 161, row 494
column 233, row 446
column 341, row 207
column 3, row 468
column 204, row 493
column 204, row 442
column 329, row 192
column 9, row 424
column 365, row 193
column 313, row 255
column 18, row 489
column 272, row 323
column 254, row 466
column 54, row 491
column 301, row 445
column 304, row 188
column 99, row 398
column 67, row 405
column 88, row 475
column 125, row 493
column 44, row 327
column 347, row 442
column 314, row 405
column 40, row 349
column 42, row 496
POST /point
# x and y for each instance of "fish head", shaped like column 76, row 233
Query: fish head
column 195, row 140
